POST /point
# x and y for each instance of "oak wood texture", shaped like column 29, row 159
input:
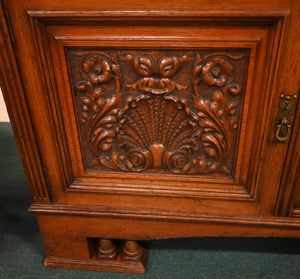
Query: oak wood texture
column 107, row 250
column 137, row 114
column 19, row 115
column 131, row 258
column 147, row 120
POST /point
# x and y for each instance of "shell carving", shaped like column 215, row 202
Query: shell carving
column 161, row 121
column 157, row 128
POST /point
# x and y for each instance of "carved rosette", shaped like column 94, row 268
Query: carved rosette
column 151, row 110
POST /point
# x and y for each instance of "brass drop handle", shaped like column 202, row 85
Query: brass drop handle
column 284, row 117
column 283, row 130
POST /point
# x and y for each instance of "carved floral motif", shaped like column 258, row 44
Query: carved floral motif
column 156, row 70
column 98, row 69
column 155, row 126
column 216, row 72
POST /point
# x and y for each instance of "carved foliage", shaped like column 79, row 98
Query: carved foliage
column 156, row 70
column 99, row 113
column 161, row 121
column 217, row 117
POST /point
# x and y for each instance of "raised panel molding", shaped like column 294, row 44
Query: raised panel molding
column 15, row 99
column 146, row 214
column 104, row 159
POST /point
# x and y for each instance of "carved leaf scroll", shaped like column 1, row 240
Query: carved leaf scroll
column 156, row 70
column 164, row 111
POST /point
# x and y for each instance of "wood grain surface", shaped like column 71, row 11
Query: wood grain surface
column 138, row 120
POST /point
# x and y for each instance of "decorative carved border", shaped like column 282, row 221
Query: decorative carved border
column 273, row 19
column 237, row 192
column 157, row 126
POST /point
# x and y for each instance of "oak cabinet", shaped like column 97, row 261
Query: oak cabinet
column 138, row 121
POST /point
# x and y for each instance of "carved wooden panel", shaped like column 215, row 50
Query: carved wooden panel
column 170, row 111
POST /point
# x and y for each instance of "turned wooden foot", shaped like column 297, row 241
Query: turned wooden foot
column 107, row 250
column 128, row 257
column 104, row 255
column 132, row 251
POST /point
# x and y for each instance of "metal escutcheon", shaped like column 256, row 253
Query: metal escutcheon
column 284, row 117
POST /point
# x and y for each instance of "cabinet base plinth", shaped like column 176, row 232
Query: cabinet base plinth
column 118, row 265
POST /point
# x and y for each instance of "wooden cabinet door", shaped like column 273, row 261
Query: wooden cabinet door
column 160, row 109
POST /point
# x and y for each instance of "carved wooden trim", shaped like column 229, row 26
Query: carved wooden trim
column 18, row 111
column 153, row 120
column 88, row 16
column 217, row 193
column 51, row 88
column 144, row 214
column 268, row 149
column 271, row 19
column 97, row 265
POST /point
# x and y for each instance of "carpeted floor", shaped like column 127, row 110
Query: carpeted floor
column 22, row 251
